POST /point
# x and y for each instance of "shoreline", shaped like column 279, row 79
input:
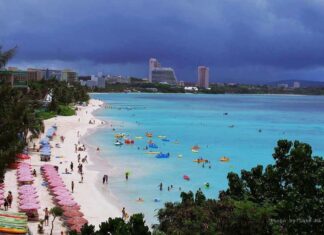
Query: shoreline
column 90, row 194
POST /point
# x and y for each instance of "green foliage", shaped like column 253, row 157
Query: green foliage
column 6, row 55
column 55, row 211
column 64, row 110
column 42, row 114
column 88, row 229
column 17, row 119
column 284, row 198
column 117, row 226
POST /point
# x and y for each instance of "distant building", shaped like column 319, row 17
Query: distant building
column 112, row 79
column 283, row 85
column 153, row 64
column 51, row 73
column 158, row 74
column 203, row 77
column 34, row 74
column 69, row 75
column 83, row 79
column 181, row 83
column 91, row 83
column 296, row 85
column 101, row 81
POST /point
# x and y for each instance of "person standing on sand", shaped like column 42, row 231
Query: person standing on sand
column 72, row 186
column 124, row 214
column 46, row 216
column 71, row 166
column 9, row 199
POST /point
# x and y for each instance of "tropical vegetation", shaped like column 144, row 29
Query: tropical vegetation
column 22, row 111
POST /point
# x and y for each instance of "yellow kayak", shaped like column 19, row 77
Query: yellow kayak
column 152, row 152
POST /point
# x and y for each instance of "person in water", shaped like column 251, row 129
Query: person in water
column 126, row 175
column 161, row 186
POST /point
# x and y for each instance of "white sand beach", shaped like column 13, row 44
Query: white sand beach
column 92, row 199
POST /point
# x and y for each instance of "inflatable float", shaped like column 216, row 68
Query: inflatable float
column 185, row 177
column 149, row 135
column 163, row 155
column 224, row 159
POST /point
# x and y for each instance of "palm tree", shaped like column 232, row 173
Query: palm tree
column 55, row 211
column 6, row 55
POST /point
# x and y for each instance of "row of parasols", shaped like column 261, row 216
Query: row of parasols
column 1, row 194
column 62, row 197
column 27, row 193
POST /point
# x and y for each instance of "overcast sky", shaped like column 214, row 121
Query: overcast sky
column 240, row 40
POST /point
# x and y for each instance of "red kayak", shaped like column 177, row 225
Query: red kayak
column 185, row 177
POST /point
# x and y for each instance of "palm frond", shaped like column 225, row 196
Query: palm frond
column 6, row 56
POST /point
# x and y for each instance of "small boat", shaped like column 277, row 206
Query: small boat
column 200, row 160
column 129, row 141
column 161, row 136
column 224, row 159
column 139, row 137
column 180, row 156
column 185, row 177
column 150, row 135
column 166, row 140
column 152, row 145
column 118, row 143
column 163, row 155
column 152, row 152
column 195, row 150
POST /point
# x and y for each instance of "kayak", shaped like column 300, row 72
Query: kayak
column 200, row 160
column 151, row 152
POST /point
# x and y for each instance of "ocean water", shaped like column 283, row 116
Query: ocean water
column 247, row 135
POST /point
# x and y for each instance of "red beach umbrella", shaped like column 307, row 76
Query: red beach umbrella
column 73, row 213
column 76, row 220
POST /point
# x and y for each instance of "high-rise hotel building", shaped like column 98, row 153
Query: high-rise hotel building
column 203, row 77
column 158, row 74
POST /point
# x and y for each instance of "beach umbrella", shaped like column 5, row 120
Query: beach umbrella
column 76, row 227
column 23, row 196
column 72, row 213
column 64, row 197
column 29, row 206
column 76, row 221
column 74, row 207
column 66, row 202
column 22, row 156
column 28, row 201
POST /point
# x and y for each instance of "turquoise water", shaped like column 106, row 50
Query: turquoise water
column 259, row 121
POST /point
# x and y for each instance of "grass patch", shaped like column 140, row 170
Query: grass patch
column 42, row 114
column 65, row 110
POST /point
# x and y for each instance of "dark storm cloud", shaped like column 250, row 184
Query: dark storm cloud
column 272, row 38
